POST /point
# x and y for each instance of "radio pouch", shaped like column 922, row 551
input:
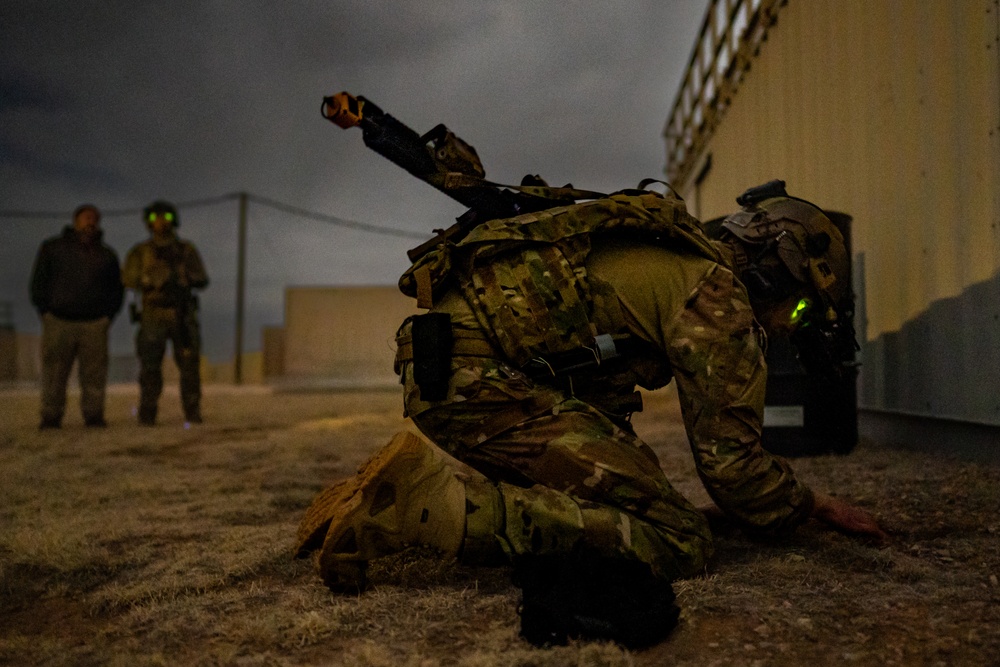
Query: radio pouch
column 432, row 341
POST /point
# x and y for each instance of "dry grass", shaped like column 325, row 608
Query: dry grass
column 172, row 546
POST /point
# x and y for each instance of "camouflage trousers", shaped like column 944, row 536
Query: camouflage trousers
column 567, row 474
column 159, row 325
column 64, row 341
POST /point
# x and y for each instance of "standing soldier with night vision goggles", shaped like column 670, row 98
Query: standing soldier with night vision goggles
column 541, row 323
column 164, row 271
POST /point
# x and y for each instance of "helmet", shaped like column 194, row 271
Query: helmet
column 788, row 246
column 789, row 242
column 160, row 207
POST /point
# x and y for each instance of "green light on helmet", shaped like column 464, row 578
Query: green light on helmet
column 801, row 308
column 166, row 215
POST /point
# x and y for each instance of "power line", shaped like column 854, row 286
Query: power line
column 211, row 201
column 333, row 220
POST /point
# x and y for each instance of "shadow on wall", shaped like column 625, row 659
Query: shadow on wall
column 942, row 364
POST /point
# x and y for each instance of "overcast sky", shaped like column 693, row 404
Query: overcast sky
column 122, row 102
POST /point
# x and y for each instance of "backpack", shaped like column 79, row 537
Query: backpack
column 525, row 277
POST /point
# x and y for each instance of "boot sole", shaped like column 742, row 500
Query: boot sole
column 360, row 516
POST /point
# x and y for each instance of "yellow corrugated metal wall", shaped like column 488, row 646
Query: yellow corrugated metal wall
column 888, row 110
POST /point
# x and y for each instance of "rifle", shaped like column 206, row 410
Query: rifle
column 172, row 293
column 443, row 160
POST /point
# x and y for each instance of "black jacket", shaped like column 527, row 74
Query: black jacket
column 76, row 281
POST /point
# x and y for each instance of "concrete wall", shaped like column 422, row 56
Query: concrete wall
column 19, row 356
column 273, row 354
column 8, row 354
column 889, row 111
column 343, row 334
column 251, row 370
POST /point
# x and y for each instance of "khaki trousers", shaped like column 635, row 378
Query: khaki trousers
column 63, row 342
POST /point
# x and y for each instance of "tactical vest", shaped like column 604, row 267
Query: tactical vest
column 163, row 271
column 525, row 277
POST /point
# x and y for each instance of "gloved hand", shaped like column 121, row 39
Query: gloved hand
column 846, row 518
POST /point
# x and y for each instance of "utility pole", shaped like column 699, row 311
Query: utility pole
column 241, row 259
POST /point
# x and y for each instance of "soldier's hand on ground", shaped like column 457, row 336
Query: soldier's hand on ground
column 846, row 518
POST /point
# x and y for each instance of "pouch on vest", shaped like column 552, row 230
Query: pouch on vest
column 432, row 341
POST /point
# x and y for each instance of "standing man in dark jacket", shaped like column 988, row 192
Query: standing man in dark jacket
column 76, row 287
column 165, row 270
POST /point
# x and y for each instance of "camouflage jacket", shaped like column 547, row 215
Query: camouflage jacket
column 697, row 320
column 164, row 273
column 638, row 265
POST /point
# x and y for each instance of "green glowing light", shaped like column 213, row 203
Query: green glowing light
column 169, row 216
column 801, row 308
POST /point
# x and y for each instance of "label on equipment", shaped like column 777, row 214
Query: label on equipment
column 784, row 415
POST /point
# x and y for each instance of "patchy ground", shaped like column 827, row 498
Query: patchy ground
column 172, row 546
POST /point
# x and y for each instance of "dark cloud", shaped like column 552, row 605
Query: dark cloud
column 19, row 158
column 361, row 34
column 25, row 92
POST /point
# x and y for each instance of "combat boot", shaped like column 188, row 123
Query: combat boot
column 50, row 423
column 95, row 421
column 147, row 415
column 583, row 595
column 192, row 415
column 409, row 493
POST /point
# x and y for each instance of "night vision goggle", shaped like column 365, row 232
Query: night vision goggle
column 800, row 311
column 167, row 215
column 804, row 314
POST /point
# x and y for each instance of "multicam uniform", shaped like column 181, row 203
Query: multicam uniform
column 569, row 466
column 165, row 273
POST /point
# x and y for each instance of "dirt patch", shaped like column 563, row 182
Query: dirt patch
column 173, row 546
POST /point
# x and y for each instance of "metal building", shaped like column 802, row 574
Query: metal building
column 889, row 111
